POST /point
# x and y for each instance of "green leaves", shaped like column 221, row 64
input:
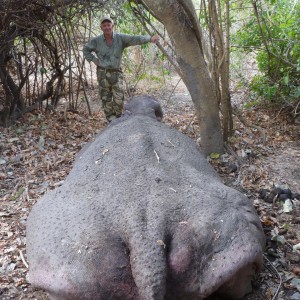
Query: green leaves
column 263, row 87
column 297, row 92
column 214, row 155
column 273, row 33
column 43, row 70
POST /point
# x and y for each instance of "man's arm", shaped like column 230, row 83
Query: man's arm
column 87, row 50
column 132, row 40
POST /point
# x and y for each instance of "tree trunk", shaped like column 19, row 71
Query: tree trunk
column 14, row 103
column 221, row 64
column 185, row 37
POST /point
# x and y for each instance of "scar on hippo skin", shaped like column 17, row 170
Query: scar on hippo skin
column 127, row 225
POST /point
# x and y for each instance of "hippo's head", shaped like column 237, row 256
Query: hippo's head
column 144, row 105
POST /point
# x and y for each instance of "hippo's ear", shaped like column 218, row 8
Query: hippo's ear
column 154, row 104
column 158, row 112
column 144, row 105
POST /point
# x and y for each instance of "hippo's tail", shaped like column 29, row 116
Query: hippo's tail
column 148, row 265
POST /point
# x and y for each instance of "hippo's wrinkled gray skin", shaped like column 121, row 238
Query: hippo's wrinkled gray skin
column 142, row 215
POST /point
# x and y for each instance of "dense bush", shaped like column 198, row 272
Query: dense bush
column 273, row 33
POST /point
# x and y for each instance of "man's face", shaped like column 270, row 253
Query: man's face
column 107, row 27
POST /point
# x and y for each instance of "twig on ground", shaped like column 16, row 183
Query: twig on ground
column 188, row 125
column 245, row 123
column 233, row 153
column 172, row 92
column 296, row 109
column 23, row 259
column 273, row 270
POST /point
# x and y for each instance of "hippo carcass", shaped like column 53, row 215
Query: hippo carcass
column 142, row 215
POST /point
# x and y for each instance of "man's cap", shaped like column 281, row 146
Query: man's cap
column 107, row 19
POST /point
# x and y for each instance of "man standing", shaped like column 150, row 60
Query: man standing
column 108, row 48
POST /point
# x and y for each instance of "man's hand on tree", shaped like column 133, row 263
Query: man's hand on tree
column 154, row 39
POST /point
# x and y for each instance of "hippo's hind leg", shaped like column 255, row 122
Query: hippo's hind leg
column 204, row 261
column 102, row 272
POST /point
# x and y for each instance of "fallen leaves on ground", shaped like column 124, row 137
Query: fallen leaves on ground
column 267, row 156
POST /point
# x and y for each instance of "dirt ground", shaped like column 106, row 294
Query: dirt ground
column 37, row 153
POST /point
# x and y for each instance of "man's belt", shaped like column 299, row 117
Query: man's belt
column 110, row 69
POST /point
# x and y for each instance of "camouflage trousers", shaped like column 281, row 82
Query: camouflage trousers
column 111, row 92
